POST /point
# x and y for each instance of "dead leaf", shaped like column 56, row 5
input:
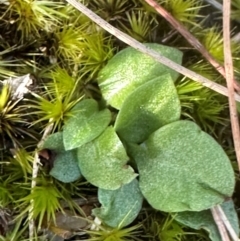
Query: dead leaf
column 18, row 85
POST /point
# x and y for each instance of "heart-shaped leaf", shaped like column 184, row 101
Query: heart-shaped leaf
column 182, row 168
column 204, row 220
column 65, row 167
column 86, row 124
column 129, row 69
column 119, row 207
column 147, row 108
column 54, row 142
column 103, row 161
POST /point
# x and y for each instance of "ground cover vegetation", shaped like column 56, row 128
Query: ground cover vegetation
column 99, row 141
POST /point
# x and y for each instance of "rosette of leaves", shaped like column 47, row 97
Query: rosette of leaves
column 184, row 11
column 28, row 18
column 13, row 125
column 180, row 167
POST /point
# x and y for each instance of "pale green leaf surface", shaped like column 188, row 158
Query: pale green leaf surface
column 65, row 167
column 119, row 207
column 204, row 220
column 85, row 107
column 129, row 69
column 103, row 162
column 86, row 124
column 182, row 168
column 54, row 142
column 147, row 108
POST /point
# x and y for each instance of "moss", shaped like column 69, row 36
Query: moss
column 64, row 52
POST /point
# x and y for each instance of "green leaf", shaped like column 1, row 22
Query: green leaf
column 204, row 220
column 86, row 124
column 103, row 161
column 65, row 167
column 147, row 108
column 129, row 69
column 119, row 207
column 182, row 168
column 54, row 142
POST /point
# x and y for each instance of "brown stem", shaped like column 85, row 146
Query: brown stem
column 226, row 223
column 36, row 163
column 229, row 78
column 219, row 222
column 191, row 39
column 142, row 48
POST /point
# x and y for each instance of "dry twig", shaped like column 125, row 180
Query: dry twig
column 142, row 48
column 190, row 38
column 217, row 212
column 219, row 222
column 36, row 163
column 226, row 222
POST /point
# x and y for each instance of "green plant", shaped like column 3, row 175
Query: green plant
column 28, row 16
column 6, row 65
column 164, row 227
column 112, row 116
column 200, row 104
column 114, row 234
column 184, row 11
column 15, row 175
column 46, row 200
column 235, row 9
column 204, row 220
column 110, row 9
column 149, row 111
column 12, row 123
column 96, row 51
column 141, row 25
column 16, row 234
column 60, row 97
column 22, row 163
column 5, row 195
column 68, row 42
column 212, row 39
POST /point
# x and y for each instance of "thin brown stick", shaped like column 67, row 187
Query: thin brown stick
column 36, row 163
column 142, row 48
column 192, row 40
column 226, row 223
column 218, row 221
column 229, row 78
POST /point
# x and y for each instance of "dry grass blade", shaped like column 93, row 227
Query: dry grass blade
column 230, row 77
column 191, row 39
column 226, row 223
column 34, row 176
column 221, row 228
column 218, row 214
column 135, row 44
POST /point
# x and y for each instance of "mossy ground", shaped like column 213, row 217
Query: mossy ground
column 64, row 51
